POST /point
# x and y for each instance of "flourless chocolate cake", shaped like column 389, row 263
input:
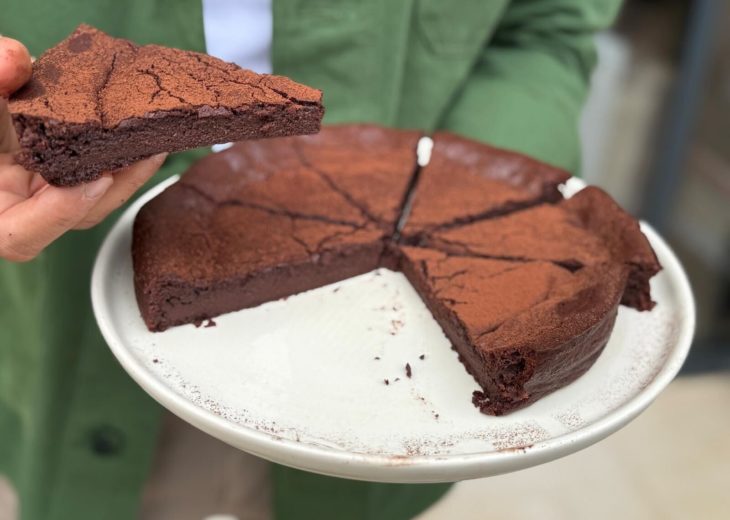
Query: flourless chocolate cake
column 522, row 329
column 586, row 230
column 265, row 218
column 195, row 259
column 96, row 103
column 466, row 180
column 525, row 284
column 356, row 174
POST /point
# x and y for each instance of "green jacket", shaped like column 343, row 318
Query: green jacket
column 76, row 434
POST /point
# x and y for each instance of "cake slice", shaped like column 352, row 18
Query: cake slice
column 521, row 329
column 96, row 103
column 466, row 180
column 357, row 174
column 196, row 259
column 258, row 222
column 588, row 229
column 370, row 165
column 620, row 233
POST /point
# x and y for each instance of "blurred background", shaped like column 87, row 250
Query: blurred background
column 656, row 135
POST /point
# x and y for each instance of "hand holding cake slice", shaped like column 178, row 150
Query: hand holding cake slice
column 97, row 103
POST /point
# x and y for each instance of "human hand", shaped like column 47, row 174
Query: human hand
column 33, row 213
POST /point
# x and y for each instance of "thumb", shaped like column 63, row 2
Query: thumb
column 27, row 228
column 15, row 70
column 15, row 66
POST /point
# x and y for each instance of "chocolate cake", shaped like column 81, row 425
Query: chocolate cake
column 586, row 230
column 466, row 180
column 96, row 103
column 522, row 329
column 356, row 174
column 210, row 258
column 258, row 222
column 525, row 284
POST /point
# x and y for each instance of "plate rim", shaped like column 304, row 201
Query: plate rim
column 393, row 468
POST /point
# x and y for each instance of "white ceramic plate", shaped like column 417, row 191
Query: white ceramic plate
column 297, row 381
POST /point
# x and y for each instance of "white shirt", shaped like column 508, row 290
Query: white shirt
column 239, row 31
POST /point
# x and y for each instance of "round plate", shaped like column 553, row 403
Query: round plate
column 302, row 381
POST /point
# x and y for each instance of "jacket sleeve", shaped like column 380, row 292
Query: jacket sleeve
column 528, row 86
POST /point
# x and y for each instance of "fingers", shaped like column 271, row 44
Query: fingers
column 15, row 71
column 8, row 139
column 27, row 228
column 126, row 182
column 15, row 66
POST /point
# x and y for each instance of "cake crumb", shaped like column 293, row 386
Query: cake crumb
column 386, row 381
column 395, row 326
column 336, row 289
column 155, row 360
column 422, row 357
column 377, row 358
column 409, row 372
column 210, row 323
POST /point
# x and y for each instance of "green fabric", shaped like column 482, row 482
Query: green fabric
column 300, row 495
column 528, row 86
column 76, row 433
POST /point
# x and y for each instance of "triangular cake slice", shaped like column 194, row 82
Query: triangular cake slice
column 522, row 329
column 96, row 103
column 195, row 259
column 357, row 174
column 466, row 180
column 370, row 165
column 586, row 230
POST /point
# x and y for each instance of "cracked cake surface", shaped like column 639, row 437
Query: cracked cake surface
column 586, row 230
column 230, row 257
column 95, row 103
column 526, row 292
column 466, row 180
column 356, row 174
column 259, row 215
column 513, row 322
